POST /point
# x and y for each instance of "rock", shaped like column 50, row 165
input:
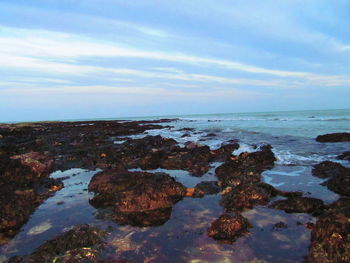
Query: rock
column 330, row 237
column 80, row 244
column 22, row 189
column 280, row 225
column 344, row 156
column 299, row 205
column 334, row 137
column 245, row 168
column 339, row 177
column 328, row 169
column 206, row 188
column 228, row 227
column 39, row 163
column 150, row 218
column 135, row 193
column 246, row 196
column 339, row 184
column 187, row 129
column 224, row 152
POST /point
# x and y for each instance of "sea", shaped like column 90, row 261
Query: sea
column 183, row 238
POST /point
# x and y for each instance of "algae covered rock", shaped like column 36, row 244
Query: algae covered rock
column 229, row 227
column 330, row 237
column 297, row 204
column 136, row 197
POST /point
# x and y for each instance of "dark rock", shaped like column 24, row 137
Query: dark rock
column 339, row 184
column 156, row 217
column 330, row 237
column 24, row 185
column 328, row 169
column 133, row 194
column 206, row 188
column 80, row 244
column 211, row 134
column 339, row 176
column 187, row 129
column 228, row 227
column 245, row 168
column 334, row 137
column 40, row 163
column 225, row 151
column 299, row 205
column 344, row 156
column 247, row 195
column 280, row 225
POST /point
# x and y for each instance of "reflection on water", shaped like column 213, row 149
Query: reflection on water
column 299, row 178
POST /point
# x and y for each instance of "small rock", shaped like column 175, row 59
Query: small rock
column 228, row 227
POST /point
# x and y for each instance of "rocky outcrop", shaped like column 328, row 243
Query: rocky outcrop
column 338, row 177
column 328, row 169
column 24, row 185
column 82, row 244
column 206, row 188
column 136, row 198
column 299, row 204
column 344, row 156
column 247, row 196
column 245, row 168
column 229, row 227
column 330, row 237
column 334, row 137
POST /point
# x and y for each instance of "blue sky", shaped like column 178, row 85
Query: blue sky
column 65, row 59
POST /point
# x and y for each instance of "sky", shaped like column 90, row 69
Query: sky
column 65, row 59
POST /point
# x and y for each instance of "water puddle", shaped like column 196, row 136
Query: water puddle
column 298, row 178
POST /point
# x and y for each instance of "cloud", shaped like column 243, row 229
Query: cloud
column 58, row 53
column 130, row 91
column 45, row 44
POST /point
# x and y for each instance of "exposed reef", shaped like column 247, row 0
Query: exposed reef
column 136, row 198
column 334, row 137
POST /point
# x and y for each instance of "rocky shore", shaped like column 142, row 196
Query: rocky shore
column 30, row 152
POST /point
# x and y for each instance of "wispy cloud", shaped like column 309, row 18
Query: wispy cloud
column 59, row 53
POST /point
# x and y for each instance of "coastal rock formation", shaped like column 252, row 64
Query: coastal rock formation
column 206, row 188
column 339, row 177
column 344, row 156
column 339, row 184
column 334, row 137
column 330, row 237
column 299, row 204
column 245, row 168
column 80, row 244
column 24, row 185
column 228, row 227
column 40, row 163
column 137, row 198
column 328, row 169
column 247, row 196
column 153, row 152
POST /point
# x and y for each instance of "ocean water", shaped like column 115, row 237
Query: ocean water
column 183, row 238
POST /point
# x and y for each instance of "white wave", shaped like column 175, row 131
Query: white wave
column 287, row 158
column 244, row 148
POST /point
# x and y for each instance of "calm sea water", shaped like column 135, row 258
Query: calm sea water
column 184, row 237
